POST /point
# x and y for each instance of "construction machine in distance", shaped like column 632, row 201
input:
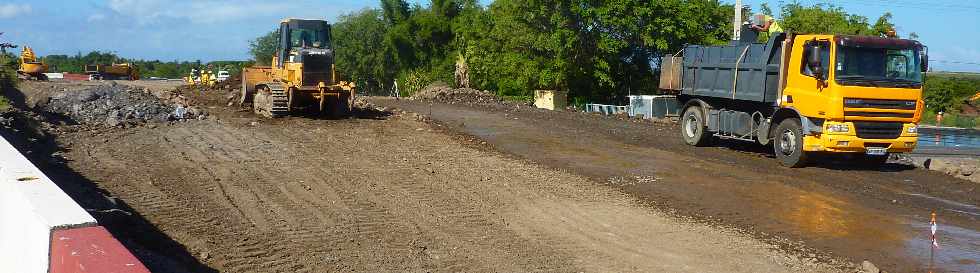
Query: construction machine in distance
column 123, row 71
column 31, row 67
column 302, row 75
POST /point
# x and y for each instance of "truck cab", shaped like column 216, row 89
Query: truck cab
column 865, row 93
column 804, row 94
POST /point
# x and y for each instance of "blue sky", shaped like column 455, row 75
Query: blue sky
column 220, row 29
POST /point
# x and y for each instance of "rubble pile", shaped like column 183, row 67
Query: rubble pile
column 117, row 105
column 444, row 93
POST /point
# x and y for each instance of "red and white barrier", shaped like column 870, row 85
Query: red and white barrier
column 43, row 230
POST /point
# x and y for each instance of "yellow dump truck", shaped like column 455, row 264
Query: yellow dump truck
column 123, row 71
column 302, row 75
column 804, row 94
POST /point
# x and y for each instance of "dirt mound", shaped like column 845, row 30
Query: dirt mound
column 444, row 93
column 116, row 105
column 971, row 108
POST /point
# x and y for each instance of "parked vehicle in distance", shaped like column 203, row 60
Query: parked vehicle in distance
column 223, row 75
column 804, row 94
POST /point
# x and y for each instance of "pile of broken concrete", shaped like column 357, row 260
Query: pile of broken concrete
column 116, row 105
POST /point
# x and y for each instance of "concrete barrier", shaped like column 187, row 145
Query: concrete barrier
column 39, row 221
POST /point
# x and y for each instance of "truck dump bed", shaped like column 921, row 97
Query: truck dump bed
column 752, row 70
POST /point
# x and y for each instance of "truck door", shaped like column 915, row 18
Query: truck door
column 808, row 78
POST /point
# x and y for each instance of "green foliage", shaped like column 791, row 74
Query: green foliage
column 830, row 19
column 952, row 119
column 154, row 68
column 412, row 82
column 8, row 79
column 947, row 93
column 359, row 43
column 264, row 47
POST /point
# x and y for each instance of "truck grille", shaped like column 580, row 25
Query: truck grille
column 879, row 114
column 879, row 104
column 878, row 130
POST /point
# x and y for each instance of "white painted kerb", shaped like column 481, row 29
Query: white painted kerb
column 31, row 206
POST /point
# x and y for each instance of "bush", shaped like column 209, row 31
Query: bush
column 411, row 82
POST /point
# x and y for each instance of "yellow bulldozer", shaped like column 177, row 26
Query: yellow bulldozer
column 302, row 75
column 31, row 67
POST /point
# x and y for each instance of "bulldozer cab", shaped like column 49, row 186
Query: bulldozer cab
column 299, row 38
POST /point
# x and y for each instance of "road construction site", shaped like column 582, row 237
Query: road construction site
column 465, row 183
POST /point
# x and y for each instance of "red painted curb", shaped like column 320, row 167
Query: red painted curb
column 91, row 249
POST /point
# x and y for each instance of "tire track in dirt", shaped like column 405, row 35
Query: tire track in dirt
column 301, row 195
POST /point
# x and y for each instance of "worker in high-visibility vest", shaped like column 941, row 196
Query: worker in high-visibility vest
column 770, row 26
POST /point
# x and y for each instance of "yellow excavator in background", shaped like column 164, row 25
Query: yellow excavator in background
column 975, row 97
column 302, row 75
column 31, row 67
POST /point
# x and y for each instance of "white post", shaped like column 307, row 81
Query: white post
column 737, row 26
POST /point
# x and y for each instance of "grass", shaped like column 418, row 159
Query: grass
column 951, row 120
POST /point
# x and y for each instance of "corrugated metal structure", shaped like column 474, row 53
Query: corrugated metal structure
column 653, row 106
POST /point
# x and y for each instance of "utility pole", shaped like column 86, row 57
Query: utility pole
column 737, row 26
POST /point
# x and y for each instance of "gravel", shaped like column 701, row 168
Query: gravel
column 443, row 93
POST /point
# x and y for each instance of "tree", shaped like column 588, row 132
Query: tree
column 359, row 47
column 264, row 47
column 823, row 19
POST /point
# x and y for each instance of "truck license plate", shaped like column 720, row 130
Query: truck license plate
column 876, row 151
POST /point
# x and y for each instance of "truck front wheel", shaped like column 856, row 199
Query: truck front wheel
column 788, row 144
column 693, row 127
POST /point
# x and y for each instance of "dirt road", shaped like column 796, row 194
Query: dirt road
column 879, row 215
column 378, row 193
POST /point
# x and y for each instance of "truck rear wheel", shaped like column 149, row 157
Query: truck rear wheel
column 693, row 127
column 788, row 143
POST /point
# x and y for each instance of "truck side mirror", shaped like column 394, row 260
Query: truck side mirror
column 813, row 60
column 925, row 62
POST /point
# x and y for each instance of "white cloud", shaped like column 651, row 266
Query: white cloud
column 202, row 12
column 13, row 10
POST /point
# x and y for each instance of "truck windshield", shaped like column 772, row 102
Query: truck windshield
column 879, row 67
column 308, row 38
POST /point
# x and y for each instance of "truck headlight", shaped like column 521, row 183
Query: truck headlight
column 838, row 128
column 913, row 129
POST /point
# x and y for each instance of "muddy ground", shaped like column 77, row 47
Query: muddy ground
column 838, row 210
column 383, row 191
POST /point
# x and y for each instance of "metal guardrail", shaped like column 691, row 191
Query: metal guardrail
column 606, row 109
column 647, row 106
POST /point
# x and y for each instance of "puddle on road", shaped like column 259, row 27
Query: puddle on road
column 959, row 248
column 829, row 218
